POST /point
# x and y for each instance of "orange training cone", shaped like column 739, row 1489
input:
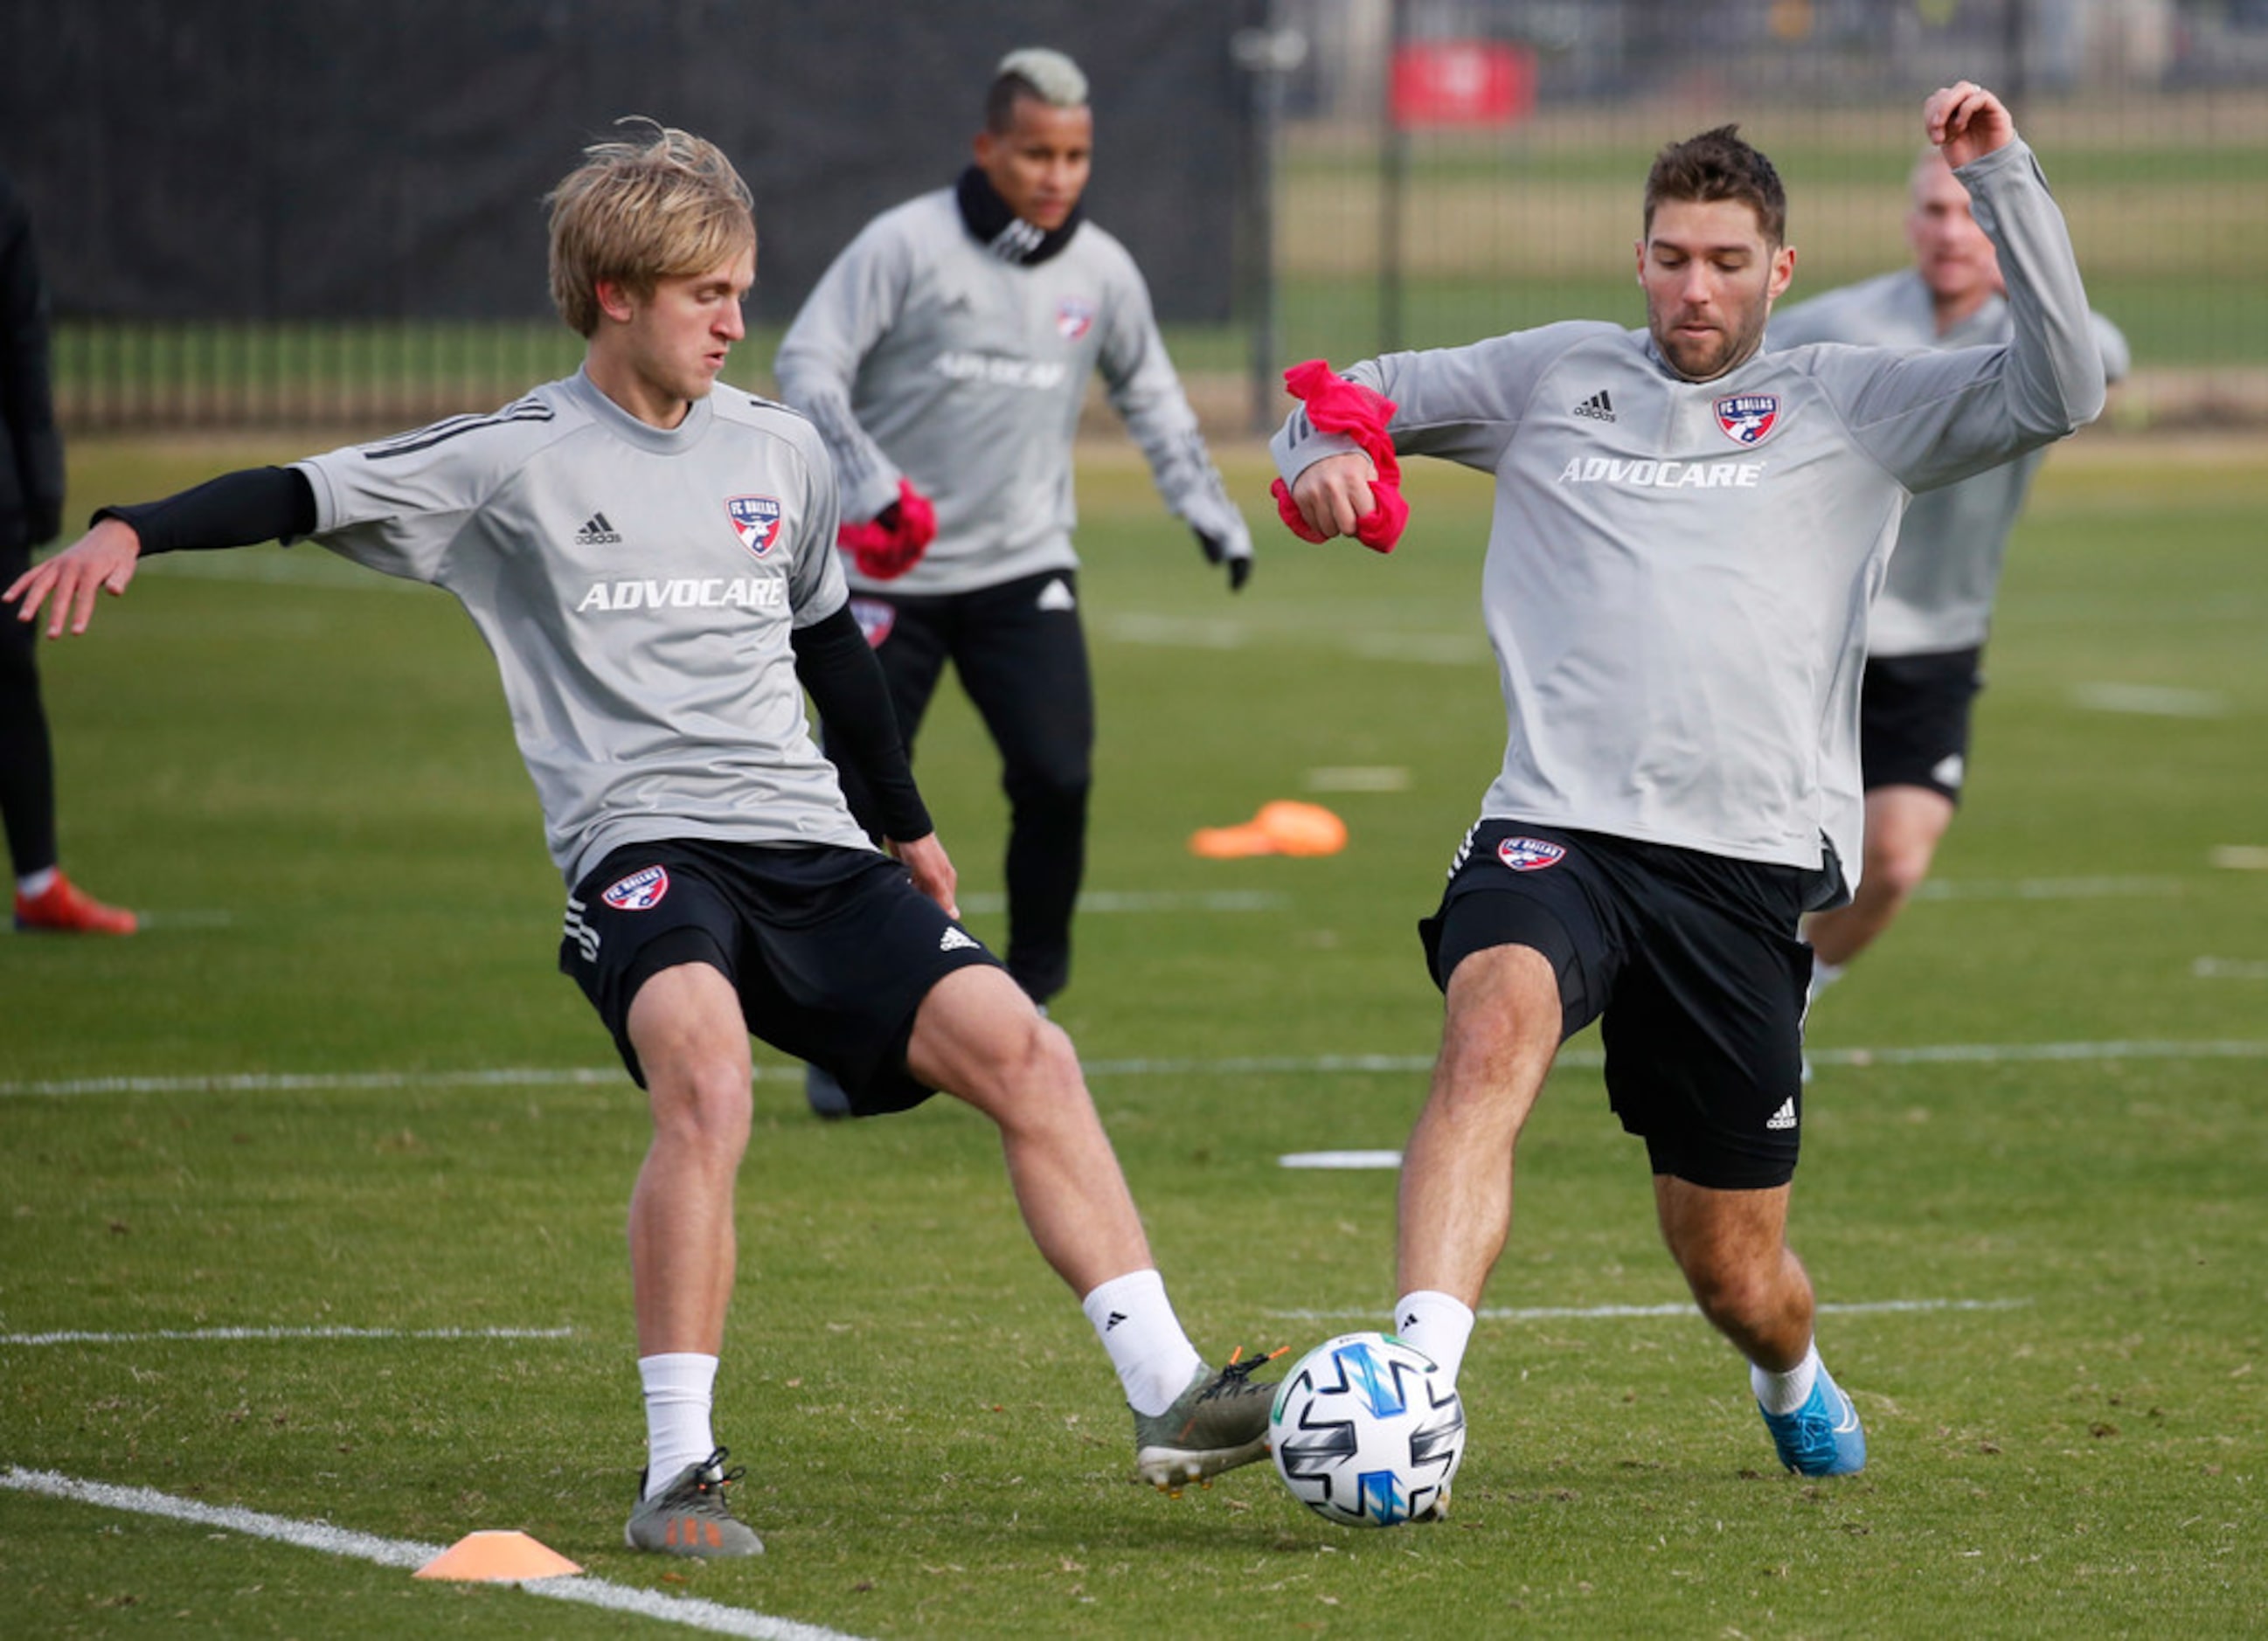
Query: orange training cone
column 1282, row 827
column 501, row 1558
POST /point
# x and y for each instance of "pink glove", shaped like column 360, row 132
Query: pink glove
column 894, row 540
column 1337, row 404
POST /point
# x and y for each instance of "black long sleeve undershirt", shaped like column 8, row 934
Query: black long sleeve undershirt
column 837, row 665
column 235, row 510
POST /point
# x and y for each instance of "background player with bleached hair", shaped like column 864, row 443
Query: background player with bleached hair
column 945, row 357
column 652, row 561
column 1926, row 635
column 1688, row 530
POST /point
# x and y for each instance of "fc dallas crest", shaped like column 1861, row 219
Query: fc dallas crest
column 1074, row 318
column 1529, row 854
column 1746, row 419
column 640, row 892
column 757, row 521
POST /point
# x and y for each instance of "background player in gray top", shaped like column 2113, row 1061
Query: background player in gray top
column 945, row 357
column 1688, row 530
column 653, row 565
column 1925, row 635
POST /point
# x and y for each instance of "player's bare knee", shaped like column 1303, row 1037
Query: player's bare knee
column 1736, row 1298
column 705, row 1105
column 1037, row 1077
column 1901, row 871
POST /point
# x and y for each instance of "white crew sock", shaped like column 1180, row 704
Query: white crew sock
column 1438, row 1325
column 39, row 883
column 1137, row 1325
column 1784, row 1393
column 679, row 1387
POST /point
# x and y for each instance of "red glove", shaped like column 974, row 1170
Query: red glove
column 1337, row 404
column 893, row 540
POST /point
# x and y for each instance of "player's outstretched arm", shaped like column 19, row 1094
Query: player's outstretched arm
column 236, row 510
column 101, row 560
column 1966, row 122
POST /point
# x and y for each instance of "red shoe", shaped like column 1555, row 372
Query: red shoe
column 66, row 908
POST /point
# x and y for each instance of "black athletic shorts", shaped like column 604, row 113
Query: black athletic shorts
column 1913, row 719
column 1691, row 963
column 832, row 950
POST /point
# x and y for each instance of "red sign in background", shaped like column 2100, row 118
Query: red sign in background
column 1462, row 82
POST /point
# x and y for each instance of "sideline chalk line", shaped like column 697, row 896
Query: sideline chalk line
column 1233, row 1066
column 291, row 1335
column 687, row 1611
column 1617, row 1312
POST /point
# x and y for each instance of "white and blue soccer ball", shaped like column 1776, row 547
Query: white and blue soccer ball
column 1367, row 1432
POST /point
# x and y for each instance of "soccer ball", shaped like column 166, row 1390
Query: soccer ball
column 1367, row 1432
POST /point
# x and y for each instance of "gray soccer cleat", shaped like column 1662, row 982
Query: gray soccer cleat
column 690, row 1516
column 1219, row 1422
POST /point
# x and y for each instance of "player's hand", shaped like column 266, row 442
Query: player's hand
column 1234, row 551
column 1333, row 494
column 926, row 862
column 1966, row 122
column 893, row 541
column 102, row 559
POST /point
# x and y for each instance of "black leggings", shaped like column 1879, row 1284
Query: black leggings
column 27, row 769
column 1022, row 658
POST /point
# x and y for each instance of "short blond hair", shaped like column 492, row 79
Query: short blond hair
column 642, row 211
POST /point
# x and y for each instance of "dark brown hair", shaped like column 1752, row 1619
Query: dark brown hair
column 1719, row 166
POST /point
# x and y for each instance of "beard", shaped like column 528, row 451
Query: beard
column 1704, row 357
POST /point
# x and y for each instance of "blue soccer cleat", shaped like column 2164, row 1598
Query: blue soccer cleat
column 1823, row 1437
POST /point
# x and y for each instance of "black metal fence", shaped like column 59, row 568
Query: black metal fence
column 327, row 214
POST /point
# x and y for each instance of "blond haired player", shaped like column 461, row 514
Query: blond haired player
column 652, row 559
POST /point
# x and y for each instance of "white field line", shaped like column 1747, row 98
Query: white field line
column 1175, row 632
column 291, row 1334
column 2152, row 701
column 1234, row 1066
column 304, row 566
column 1623, row 1312
column 2048, row 888
column 687, row 1612
column 989, row 901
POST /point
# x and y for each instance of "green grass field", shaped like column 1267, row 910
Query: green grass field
column 335, row 1095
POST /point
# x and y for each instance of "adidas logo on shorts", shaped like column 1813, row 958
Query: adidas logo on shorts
column 1785, row 1118
column 955, row 940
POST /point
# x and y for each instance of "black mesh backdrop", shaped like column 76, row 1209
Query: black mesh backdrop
column 243, row 159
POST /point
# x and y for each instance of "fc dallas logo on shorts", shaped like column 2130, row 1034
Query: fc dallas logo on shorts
column 1074, row 318
column 1529, row 854
column 1746, row 419
column 757, row 521
column 875, row 618
column 640, row 892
